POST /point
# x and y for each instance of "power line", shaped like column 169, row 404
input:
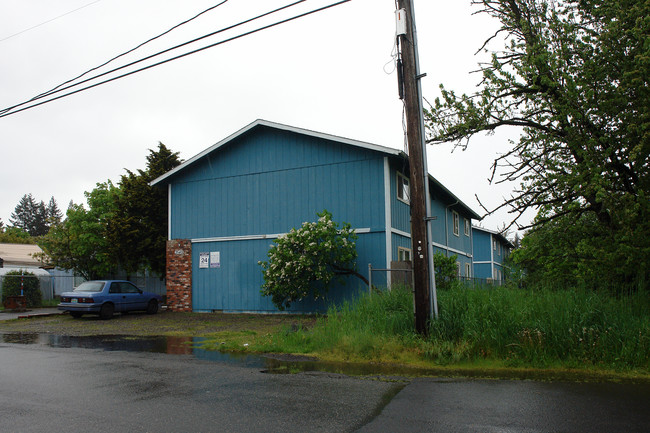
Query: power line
column 128, row 52
column 49, row 21
column 7, row 111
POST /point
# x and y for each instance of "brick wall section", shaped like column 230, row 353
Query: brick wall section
column 179, row 275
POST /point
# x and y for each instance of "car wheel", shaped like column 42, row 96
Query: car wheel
column 76, row 314
column 107, row 311
column 152, row 307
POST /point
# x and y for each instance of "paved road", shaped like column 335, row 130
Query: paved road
column 44, row 389
column 470, row 406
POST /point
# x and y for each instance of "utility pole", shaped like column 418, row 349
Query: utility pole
column 410, row 80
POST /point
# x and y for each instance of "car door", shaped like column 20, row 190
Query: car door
column 132, row 297
column 115, row 295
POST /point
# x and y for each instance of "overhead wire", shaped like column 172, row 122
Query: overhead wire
column 131, row 50
column 58, row 88
column 48, row 21
column 7, row 112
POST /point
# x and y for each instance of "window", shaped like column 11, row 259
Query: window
column 458, row 268
column 403, row 254
column 468, row 270
column 468, row 226
column 403, row 190
column 456, row 219
column 494, row 245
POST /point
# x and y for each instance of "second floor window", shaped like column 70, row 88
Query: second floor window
column 403, row 190
column 456, row 219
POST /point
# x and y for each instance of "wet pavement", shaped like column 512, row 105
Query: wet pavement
column 79, row 384
column 72, row 389
column 32, row 312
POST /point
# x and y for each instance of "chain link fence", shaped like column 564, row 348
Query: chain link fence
column 54, row 282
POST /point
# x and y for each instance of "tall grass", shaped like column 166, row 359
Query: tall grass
column 376, row 326
column 511, row 327
column 570, row 328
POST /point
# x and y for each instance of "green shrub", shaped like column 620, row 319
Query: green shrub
column 11, row 285
column 446, row 270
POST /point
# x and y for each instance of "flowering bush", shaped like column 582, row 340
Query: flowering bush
column 306, row 261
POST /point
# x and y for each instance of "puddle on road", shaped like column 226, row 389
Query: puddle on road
column 276, row 363
column 286, row 364
column 169, row 345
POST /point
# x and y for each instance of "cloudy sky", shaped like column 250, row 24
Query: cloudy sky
column 330, row 72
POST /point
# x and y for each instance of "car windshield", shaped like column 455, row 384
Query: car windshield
column 90, row 286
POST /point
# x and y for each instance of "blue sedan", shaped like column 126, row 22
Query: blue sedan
column 107, row 297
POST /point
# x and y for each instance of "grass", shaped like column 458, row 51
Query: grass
column 499, row 328
column 571, row 332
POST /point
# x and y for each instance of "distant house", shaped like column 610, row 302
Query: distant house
column 19, row 256
column 228, row 203
column 490, row 252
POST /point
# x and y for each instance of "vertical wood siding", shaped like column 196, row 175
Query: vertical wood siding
column 269, row 183
column 266, row 182
column 235, row 286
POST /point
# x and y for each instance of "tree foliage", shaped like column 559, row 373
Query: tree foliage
column 80, row 243
column 306, row 261
column 14, row 281
column 15, row 235
column 124, row 227
column 574, row 77
column 446, row 270
column 34, row 217
column 138, row 229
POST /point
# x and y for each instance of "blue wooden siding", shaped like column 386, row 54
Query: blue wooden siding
column 488, row 260
column 266, row 182
column 482, row 246
column 482, row 270
column 400, row 211
column 252, row 189
column 235, row 285
column 400, row 241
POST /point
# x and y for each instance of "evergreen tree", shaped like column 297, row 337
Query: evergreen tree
column 54, row 214
column 34, row 217
column 138, row 229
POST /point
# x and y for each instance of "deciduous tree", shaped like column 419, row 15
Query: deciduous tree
column 306, row 261
column 574, row 76
column 80, row 243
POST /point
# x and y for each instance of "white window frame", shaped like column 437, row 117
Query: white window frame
column 458, row 268
column 468, row 227
column 455, row 218
column 404, row 254
column 402, row 182
column 468, row 270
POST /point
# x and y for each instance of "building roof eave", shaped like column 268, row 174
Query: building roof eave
column 279, row 126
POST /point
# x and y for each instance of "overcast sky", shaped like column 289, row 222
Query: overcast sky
column 331, row 72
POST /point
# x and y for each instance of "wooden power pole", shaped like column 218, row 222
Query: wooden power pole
column 418, row 176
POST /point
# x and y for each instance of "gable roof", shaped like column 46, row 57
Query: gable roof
column 362, row 144
column 459, row 202
column 498, row 235
column 14, row 255
column 261, row 122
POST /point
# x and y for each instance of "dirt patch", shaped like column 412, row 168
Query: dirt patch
column 163, row 323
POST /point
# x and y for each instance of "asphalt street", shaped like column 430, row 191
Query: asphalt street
column 45, row 389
